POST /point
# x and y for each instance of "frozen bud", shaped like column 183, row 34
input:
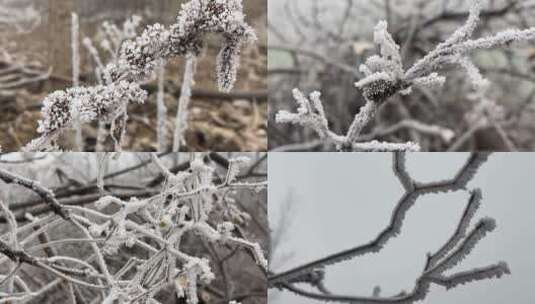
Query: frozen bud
column 199, row 17
column 143, row 53
column 55, row 113
column 227, row 64
column 90, row 103
column 381, row 89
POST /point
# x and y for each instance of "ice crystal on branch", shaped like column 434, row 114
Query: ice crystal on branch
column 450, row 254
column 196, row 19
column 135, row 59
column 310, row 114
column 385, row 76
column 105, row 103
column 140, row 56
column 139, row 246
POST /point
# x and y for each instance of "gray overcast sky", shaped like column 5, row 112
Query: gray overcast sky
column 344, row 199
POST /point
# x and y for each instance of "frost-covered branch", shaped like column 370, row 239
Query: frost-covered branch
column 385, row 76
column 137, row 59
column 46, row 194
column 450, row 254
column 311, row 114
column 152, row 232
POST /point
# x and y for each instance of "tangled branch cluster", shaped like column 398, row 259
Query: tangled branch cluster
column 138, row 58
column 150, row 231
column 450, row 254
column 385, row 76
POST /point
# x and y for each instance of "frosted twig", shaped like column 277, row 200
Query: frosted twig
column 454, row 250
column 189, row 202
column 311, row 114
column 385, row 76
column 135, row 59
column 181, row 122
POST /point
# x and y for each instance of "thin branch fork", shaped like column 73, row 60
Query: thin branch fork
column 458, row 246
column 183, row 199
column 44, row 193
column 413, row 190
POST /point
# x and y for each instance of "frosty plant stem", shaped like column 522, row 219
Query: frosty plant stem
column 385, row 77
column 111, row 40
column 136, row 62
column 181, row 122
column 451, row 253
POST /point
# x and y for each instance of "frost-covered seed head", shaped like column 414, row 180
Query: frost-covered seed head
column 88, row 103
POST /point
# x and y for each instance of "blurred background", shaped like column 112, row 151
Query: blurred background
column 35, row 60
column 319, row 45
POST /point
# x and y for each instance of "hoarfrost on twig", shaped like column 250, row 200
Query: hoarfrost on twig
column 185, row 203
column 449, row 255
column 137, row 57
column 384, row 76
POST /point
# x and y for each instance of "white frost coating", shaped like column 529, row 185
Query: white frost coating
column 181, row 121
column 433, row 80
column 190, row 203
column 460, row 233
column 135, row 58
column 468, row 28
column 485, row 110
column 227, row 64
column 363, row 117
column 376, row 146
column 102, row 167
column 106, row 103
column 448, row 256
column 483, row 227
column 310, row 114
column 185, row 37
column 475, row 274
column 88, row 103
column 384, row 75
column 235, row 166
column 390, row 51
